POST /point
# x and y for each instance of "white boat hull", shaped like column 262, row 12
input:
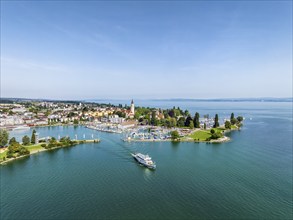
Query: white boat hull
column 143, row 162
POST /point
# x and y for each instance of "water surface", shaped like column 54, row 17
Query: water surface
column 249, row 177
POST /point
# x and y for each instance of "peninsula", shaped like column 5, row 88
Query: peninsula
column 16, row 150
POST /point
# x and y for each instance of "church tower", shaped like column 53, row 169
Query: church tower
column 132, row 107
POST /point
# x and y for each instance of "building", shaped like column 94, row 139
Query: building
column 132, row 107
column 127, row 124
column 115, row 119
column 36, row 138
column 130, row 113
column 11, row 120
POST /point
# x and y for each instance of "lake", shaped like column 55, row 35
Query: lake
column 249, row 177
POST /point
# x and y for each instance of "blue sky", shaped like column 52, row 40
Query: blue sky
column 121, row 50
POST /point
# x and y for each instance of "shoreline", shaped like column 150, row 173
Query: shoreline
column 184, row 139
column 44, row 149
column 187, row 138
column 38, row 126
column 220, row 140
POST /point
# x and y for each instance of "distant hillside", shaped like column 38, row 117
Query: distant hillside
column 267, row 99
column 229, row 100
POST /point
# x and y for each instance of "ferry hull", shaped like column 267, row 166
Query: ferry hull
column 152, row 167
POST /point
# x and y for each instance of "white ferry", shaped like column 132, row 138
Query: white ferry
column 145, row 160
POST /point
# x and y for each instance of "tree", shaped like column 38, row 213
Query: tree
column 120, row 114
column 52, row 143
column 12, row 141
column 188, row 120
column 154, row 120
column 204, row 126
column 75, row 121
column 33, row 139
column 191, row 125
column 4, row 136
column 216, row 135
column 228, row 124
column 172, row 113
column 23, row 151
column 216, row 121
column 9, row 154
column 48, row 112
column 65, row 141
column 239, row 119
column 196, row 120
column 181, row 122
column 26, row 140
column 173, row 122
column 15, row 149
column 136, row 115
column 174, row 135
column 232, row 116
column 168, row 123
column 233, row 119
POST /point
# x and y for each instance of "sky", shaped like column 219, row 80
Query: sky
column 146, row 49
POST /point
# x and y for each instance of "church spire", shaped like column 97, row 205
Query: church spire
column 132, row 107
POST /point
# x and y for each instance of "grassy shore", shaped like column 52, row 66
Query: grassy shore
column 201, row 135
column 3, row 154
column 36, row 148
column 205, row 135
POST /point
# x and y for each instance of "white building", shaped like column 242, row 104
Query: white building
column 19, row 110
column 11, row 120
column 115, row 119
column 132, row 107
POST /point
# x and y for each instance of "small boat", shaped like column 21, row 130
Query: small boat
column 145, row 160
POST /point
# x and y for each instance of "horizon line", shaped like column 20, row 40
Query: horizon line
column 156, row 99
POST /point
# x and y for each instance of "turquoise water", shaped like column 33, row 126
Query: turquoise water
column 249, row 177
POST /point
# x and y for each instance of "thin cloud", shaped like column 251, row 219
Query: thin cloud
column 32, row 64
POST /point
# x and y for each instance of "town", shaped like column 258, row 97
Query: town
column 136, row 123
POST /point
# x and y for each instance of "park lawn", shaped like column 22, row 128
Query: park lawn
column 219, row 129
column 200, row 135
column 234, row 127
column 3, row 154
column 34, row 148
column 31, row 148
